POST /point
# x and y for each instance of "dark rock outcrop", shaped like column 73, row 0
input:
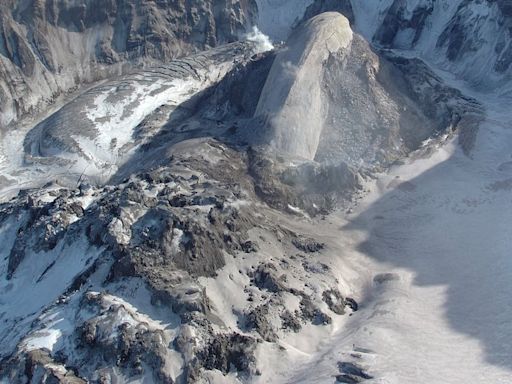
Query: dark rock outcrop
column 351, row 373
column 334, row 301
column 225, row 351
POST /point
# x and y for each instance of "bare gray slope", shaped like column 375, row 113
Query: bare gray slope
column 292, row 102
column 97, row 132
column 331, row 98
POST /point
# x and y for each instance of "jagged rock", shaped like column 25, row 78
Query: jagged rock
column 334, row 301
column 307, row 245
column 351, row 373
column 249, row 247
column 112, row 339
column 351, row 303
column 39, row 366
column 315, row 267
column 266, row 277
column 224, row 351
column 290, row 321
column 310, row 312
column 397, row 18
column 257, row 319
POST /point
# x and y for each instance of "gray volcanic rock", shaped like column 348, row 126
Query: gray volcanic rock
column 398, row 18
column 40, row 367
column 128, row 267
column 169, row 228
column 342, row 103
column 293, row 94
column 48, row 47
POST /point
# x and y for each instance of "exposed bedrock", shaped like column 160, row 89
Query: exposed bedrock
column 293, row 104
column 48, row 47
column 331, row 98
column 469, row 38
column 197, row 251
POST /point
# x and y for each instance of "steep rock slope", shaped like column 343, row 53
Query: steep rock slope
column 470, row 39
column 47, row 47
column 330, row 98
column 292, row 101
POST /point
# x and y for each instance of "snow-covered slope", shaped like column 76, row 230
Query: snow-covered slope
column 431, row 244
column 471, row 39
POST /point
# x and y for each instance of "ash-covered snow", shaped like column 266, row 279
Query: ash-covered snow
column 431, row 243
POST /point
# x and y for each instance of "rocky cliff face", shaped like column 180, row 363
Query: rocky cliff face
column 469, row 38
column 48, row 47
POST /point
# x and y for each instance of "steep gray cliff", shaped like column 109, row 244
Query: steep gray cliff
column 48, row 47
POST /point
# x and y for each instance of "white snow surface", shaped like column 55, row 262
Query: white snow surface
column 428, row 248
column 37, row 283
column 276, row 17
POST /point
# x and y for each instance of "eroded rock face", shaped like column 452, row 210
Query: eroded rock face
column 399, row 18
column 40, row 367
column 292, row 104
column 461, row 36
column 48, row 47
column 190, row 256
column 347, row 105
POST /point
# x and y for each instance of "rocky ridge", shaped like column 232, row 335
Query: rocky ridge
column 49, row 48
